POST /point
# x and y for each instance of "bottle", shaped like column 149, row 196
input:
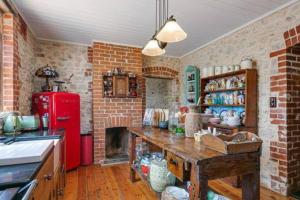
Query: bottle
column 45, row 121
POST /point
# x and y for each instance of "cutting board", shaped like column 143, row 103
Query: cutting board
column 24, row 152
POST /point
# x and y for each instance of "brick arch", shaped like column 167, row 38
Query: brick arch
column 285, row 86
column 160, row 72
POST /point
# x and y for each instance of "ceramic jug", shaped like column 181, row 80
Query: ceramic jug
column 160, row 177
column 193, row 122
column 12, row 122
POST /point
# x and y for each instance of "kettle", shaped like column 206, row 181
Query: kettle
column 11, row 122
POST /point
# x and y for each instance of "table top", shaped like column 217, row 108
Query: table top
column 187, row 148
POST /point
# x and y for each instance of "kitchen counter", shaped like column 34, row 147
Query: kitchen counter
column 18, row 175
column 35, row 135
column 21, row 174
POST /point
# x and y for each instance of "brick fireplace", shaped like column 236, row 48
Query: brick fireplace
column 113, row 112
column 285, row 86
column 116, row 145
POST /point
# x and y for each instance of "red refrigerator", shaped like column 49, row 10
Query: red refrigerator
column 63, row 111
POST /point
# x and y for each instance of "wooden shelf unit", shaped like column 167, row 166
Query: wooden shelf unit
column 119, row 86
column 250, row 105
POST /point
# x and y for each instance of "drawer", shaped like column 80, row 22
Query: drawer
column 176, row 165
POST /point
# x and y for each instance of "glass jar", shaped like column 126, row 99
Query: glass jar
column 174, row 116
column 145, row 165
column 160, row 177
column 141, row 149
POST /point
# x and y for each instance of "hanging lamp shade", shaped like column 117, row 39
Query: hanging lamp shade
column 153, row 48
column 171, row 32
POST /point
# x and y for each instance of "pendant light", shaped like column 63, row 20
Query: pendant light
column 171, row 32
column 155, row 47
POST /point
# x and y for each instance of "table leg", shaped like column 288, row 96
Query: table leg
column 132, row 143
column 251, row 186
column 203, row 188
column 194, row 189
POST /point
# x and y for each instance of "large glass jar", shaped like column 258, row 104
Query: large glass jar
column 160, row 177
column 174, row 116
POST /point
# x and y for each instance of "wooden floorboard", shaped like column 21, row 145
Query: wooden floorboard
column 112, row 183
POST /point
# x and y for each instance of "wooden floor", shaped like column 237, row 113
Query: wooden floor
column 112, row 183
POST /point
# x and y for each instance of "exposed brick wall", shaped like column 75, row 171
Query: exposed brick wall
column 11, row 85
column 285, row 85
column 113, row 112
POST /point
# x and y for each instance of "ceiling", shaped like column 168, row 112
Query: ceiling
column 132, row 22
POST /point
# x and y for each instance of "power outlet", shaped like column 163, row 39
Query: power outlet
column 273, row 102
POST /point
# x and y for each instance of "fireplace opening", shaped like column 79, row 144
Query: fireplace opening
column 116, row 145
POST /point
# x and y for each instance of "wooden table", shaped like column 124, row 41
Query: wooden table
column 205, row 164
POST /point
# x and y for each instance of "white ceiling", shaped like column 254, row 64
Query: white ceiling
column 132, row 22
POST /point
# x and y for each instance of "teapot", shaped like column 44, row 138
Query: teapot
column 11, row 122
column 233, row 120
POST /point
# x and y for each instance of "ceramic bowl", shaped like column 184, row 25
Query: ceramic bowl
column 205, row 117
column 163, row 124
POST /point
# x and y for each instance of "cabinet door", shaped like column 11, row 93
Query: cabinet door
column 120, row 86
column 44, row 189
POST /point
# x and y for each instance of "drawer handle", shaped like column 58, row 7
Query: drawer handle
column 48, row 177
column 31, row 186
column 173, row 162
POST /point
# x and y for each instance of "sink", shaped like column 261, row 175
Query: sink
column 24, row 152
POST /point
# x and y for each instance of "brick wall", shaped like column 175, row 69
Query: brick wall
column 18, row 62
column 285, row 85
column 10, row 72
column 113, row 112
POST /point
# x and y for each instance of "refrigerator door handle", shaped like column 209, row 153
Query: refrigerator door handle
column 63, row 118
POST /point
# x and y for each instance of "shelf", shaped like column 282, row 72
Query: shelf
column 223, row 105
column 224, row 90
column 191, row 92
column 144, row 178
column 191, row 81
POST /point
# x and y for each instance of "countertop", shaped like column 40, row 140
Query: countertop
column 21, row 174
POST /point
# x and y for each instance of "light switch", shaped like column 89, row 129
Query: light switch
column 273, row 102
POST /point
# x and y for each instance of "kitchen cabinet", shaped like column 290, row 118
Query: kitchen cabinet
column 191, row 80
column 120, row 86
column 51, row 177
column 242, row 82
column 44, row 188
column 59, row 183
column 59, row 171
